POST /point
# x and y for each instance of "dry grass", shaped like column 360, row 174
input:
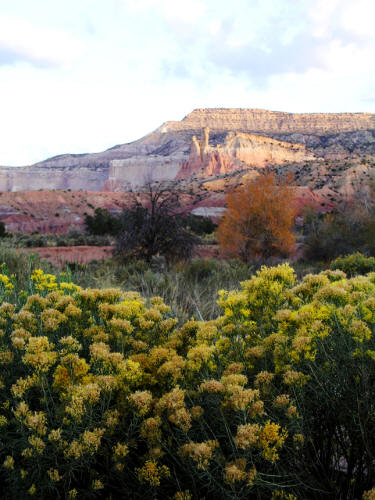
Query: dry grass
column 59, row 256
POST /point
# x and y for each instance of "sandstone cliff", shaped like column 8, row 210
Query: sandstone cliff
column 332, row 158
column 272, row 122
column 161, row 154
column 238, row 152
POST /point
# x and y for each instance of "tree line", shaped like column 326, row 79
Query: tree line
column 259, row 223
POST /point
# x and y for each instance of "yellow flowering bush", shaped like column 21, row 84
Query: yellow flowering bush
column 105, row 395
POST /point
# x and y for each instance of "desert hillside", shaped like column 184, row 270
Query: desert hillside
column 332, row 158
column 163, row 153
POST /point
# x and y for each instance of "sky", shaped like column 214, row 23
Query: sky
column 83, row 75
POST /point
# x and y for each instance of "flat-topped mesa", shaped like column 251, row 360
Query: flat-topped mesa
column 271, row 122
column 240, row 139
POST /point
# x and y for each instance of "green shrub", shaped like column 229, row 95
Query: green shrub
column 331, row 235
column 102, row 222
column 354, row 264
column 21, row 264
column 198, row 224
column 71, row 238
column 200, row 269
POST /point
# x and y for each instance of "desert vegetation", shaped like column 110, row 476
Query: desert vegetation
column 74, row 237
column 154, row 374
column 259, row 219
column 342, row 232
column 106, row 394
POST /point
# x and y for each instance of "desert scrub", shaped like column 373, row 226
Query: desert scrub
column 189, row 288
column 74, row 237
column 104, row 394
column 354, row 264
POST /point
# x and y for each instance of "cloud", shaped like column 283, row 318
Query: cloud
column 261, row 40
column 185, row 11
column 258, row 61
column 122, row 67
column 21, row 41
column 252, row 41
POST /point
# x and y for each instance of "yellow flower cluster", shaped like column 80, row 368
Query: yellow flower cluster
column 152, row 473
column 88, row 443
column 6, row 283
column 104, row 377
column 39, row 354
column 267, row 438
column 43, row 281
column 141, row 400
column 173, row 404
column 369, row 495
column 235, row 472
column 200, row 453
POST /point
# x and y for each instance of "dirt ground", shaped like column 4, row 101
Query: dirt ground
column 85, row 254
column 80, row 254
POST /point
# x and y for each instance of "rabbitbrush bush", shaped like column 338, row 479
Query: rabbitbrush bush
column 105, row 396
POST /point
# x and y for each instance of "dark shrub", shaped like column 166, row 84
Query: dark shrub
column 152, row 226
column 199, row 224
column 340, row 233
column 102, row 222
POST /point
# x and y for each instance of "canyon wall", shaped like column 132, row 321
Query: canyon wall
column 239, row 138
column 239, row 151
column 37, row 177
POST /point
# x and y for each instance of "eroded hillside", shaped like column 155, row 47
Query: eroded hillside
column 331, row 156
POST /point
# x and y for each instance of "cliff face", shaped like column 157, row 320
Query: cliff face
column 272, row 122
column 234, row 143
column 38, row 177
column 238, row 152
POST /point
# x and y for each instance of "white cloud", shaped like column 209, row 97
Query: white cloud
column 186, row 11
column 147, row 61
column 358, row 18
column 21, row 41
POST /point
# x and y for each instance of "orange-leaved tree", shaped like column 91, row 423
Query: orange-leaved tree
column 259, row 218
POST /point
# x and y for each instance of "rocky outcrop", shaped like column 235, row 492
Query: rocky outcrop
column 238, row 152
column 135, row 172
column 272, row 122
column 37, row 177
column 161, row 154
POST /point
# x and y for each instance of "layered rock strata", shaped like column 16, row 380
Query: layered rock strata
column 161, row 154
column 239, row 151
column 272, row 122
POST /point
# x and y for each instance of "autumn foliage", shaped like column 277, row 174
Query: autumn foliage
column 259, row 219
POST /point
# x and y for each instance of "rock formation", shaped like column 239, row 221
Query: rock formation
column 239, row 152
column 161, row 154
column 272, row 122
column 332, row 157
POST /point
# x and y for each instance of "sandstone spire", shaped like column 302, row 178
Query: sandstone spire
column 195, row 149
column 204, row 140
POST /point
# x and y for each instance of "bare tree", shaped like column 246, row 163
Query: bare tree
column 153, row 225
